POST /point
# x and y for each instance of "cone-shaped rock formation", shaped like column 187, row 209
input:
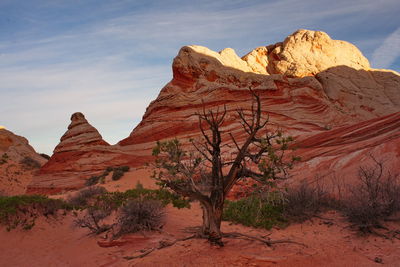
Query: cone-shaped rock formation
column 79, row 134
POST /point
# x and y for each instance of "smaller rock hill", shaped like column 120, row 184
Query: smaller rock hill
column 18, row 163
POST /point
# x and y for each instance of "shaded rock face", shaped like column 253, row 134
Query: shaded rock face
column 18, row 163
column 336, row 155
column 310, row 86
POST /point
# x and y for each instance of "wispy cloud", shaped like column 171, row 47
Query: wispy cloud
column 110, row 59
column 388, row 52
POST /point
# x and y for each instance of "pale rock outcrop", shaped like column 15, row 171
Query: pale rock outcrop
column 338, row 95
column 257, row 60
column 362, row 92
column 309, row 52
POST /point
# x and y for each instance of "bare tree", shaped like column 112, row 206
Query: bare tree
column 207, row 174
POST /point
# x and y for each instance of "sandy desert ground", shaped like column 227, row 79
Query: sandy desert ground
column 323, row 241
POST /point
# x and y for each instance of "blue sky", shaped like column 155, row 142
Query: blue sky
column 109, row 59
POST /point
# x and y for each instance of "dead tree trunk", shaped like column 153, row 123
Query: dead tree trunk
column 256, row 149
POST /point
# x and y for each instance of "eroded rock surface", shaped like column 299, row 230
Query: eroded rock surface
column 79, row 134
column 309, row 52
column 309, row 85
column 18, row 163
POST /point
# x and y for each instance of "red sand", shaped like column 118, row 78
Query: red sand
column 328, row 242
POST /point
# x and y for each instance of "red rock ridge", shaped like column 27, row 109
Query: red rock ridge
column 309, row 85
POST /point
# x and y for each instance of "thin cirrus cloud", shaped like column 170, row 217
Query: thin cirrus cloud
column 387, row 53
column 110, row 59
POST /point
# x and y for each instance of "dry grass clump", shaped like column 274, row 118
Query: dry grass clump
column 373, row 199
column 305, row 201
column 93, row 220
column 134, row 210
column 140, row 215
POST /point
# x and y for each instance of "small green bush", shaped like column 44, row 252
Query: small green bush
column 254, row 211
column 115, row 200
column 279, row 207
column 24, row 209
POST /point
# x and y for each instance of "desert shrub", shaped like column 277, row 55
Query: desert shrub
column 123, row 168
column 24, row 209
column 92, row 220
column 45, row 156
column 140, row 215
column 115, row 200
column 118, row 172
column 256, row 211
column 374, row 198
column 30, row 163
column 4, row 158
column 82, row 197
column 109, row 169
column 92, row 180
column 304, row 201
column 98, row 204
column 95, row 179
column 279, row 207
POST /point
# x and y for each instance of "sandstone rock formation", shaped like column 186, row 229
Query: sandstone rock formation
column 80, row 134
column 78, row 155
column 338, row 95
column 81, row 153
column 310, row 86
column 18, row 163
column 309, row 52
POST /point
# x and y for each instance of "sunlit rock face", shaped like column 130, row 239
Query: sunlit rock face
column 80, row 153
column 18, row 162
column 307, row 53
column 310, row 86
column 332, row 85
